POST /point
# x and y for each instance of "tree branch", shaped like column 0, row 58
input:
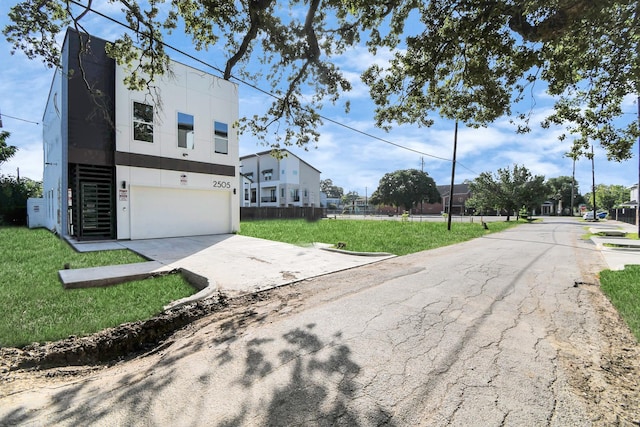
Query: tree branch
column 256, row 8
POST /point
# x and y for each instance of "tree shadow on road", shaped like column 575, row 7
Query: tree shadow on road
column 319, row 388
column 302, row 379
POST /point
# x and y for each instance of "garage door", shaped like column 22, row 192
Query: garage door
column 164, row 212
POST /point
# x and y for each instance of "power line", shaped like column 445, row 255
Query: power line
column 17, row 118
column 255, row 87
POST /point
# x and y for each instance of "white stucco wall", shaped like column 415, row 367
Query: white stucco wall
column 161, row 203
column 54, row 215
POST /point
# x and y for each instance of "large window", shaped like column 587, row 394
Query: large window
column 142, row 122
column 221, row 137
column 185, row 131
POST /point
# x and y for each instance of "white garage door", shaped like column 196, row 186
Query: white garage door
column 164, row 212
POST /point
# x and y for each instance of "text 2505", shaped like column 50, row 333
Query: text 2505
column 221, row 184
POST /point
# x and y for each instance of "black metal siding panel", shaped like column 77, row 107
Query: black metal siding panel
column 91, row 131
column 165, row 163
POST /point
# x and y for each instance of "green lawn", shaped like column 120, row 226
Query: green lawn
column 36, row 308
column 396, row 237
column 623, row 290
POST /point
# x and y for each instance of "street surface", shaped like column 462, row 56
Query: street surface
column 502, row 330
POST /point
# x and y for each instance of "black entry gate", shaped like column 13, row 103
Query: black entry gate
column 92, row 202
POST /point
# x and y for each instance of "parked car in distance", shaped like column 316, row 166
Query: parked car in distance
column 589, row 215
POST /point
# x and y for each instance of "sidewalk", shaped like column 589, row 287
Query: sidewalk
column 616, row 258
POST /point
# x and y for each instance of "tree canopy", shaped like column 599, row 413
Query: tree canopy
column 333, row 191
column 405, row 188
column 560, row 192
column 508, row 190
column 6, row 151
column 610, row 196
column 471, row 60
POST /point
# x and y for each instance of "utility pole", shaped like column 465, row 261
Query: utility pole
column 421, row 200
column 593, row 181
column 573, row 154
column 453, row 175
column 573, row 180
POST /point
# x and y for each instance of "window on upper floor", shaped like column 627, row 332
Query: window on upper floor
column 267, row 174
column 221, row 137
column 185, row 131
column 142, row 122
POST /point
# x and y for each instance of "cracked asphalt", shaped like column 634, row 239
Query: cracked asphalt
column 483, row 333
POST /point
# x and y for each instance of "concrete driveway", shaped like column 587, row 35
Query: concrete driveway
column 230, row 263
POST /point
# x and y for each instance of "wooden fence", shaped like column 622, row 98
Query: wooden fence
column 307, row 212
column 627, row 215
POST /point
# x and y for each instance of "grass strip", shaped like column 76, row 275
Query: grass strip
column 396, row 237
column 623, row 290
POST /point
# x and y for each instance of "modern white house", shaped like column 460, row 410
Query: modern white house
column 137, row 165
column 269, row 181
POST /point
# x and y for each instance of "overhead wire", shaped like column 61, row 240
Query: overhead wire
column 266, row 92
column 18, row 118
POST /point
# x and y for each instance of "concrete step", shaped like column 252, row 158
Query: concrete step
column 110, row 275
column 613, row 232
column 616, row 243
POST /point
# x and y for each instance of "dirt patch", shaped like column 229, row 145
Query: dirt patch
column 119, row 343
column 73, row 358
column 608, row 377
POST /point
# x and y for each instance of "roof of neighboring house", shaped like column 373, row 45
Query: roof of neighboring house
column 457, row 189
column 285, row 153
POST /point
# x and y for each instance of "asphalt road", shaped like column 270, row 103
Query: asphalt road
column 477, row 334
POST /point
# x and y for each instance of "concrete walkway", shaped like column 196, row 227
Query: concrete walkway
column 231, row 263
column 627, row 251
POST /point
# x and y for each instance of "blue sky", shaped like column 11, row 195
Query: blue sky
column 352, row 160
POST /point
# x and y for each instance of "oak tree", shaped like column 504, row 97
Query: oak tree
column 610, row 196
column 333, row 191
column 6, row 151
column 405, row 188
column 468, row 60
column 507, row 190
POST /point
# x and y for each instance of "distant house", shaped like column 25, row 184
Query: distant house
column 627, row 211
column 334, row 203
column 633, row 196
column 357, row 205
column 461, row 193
column 268, row 181
column 122, row 166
